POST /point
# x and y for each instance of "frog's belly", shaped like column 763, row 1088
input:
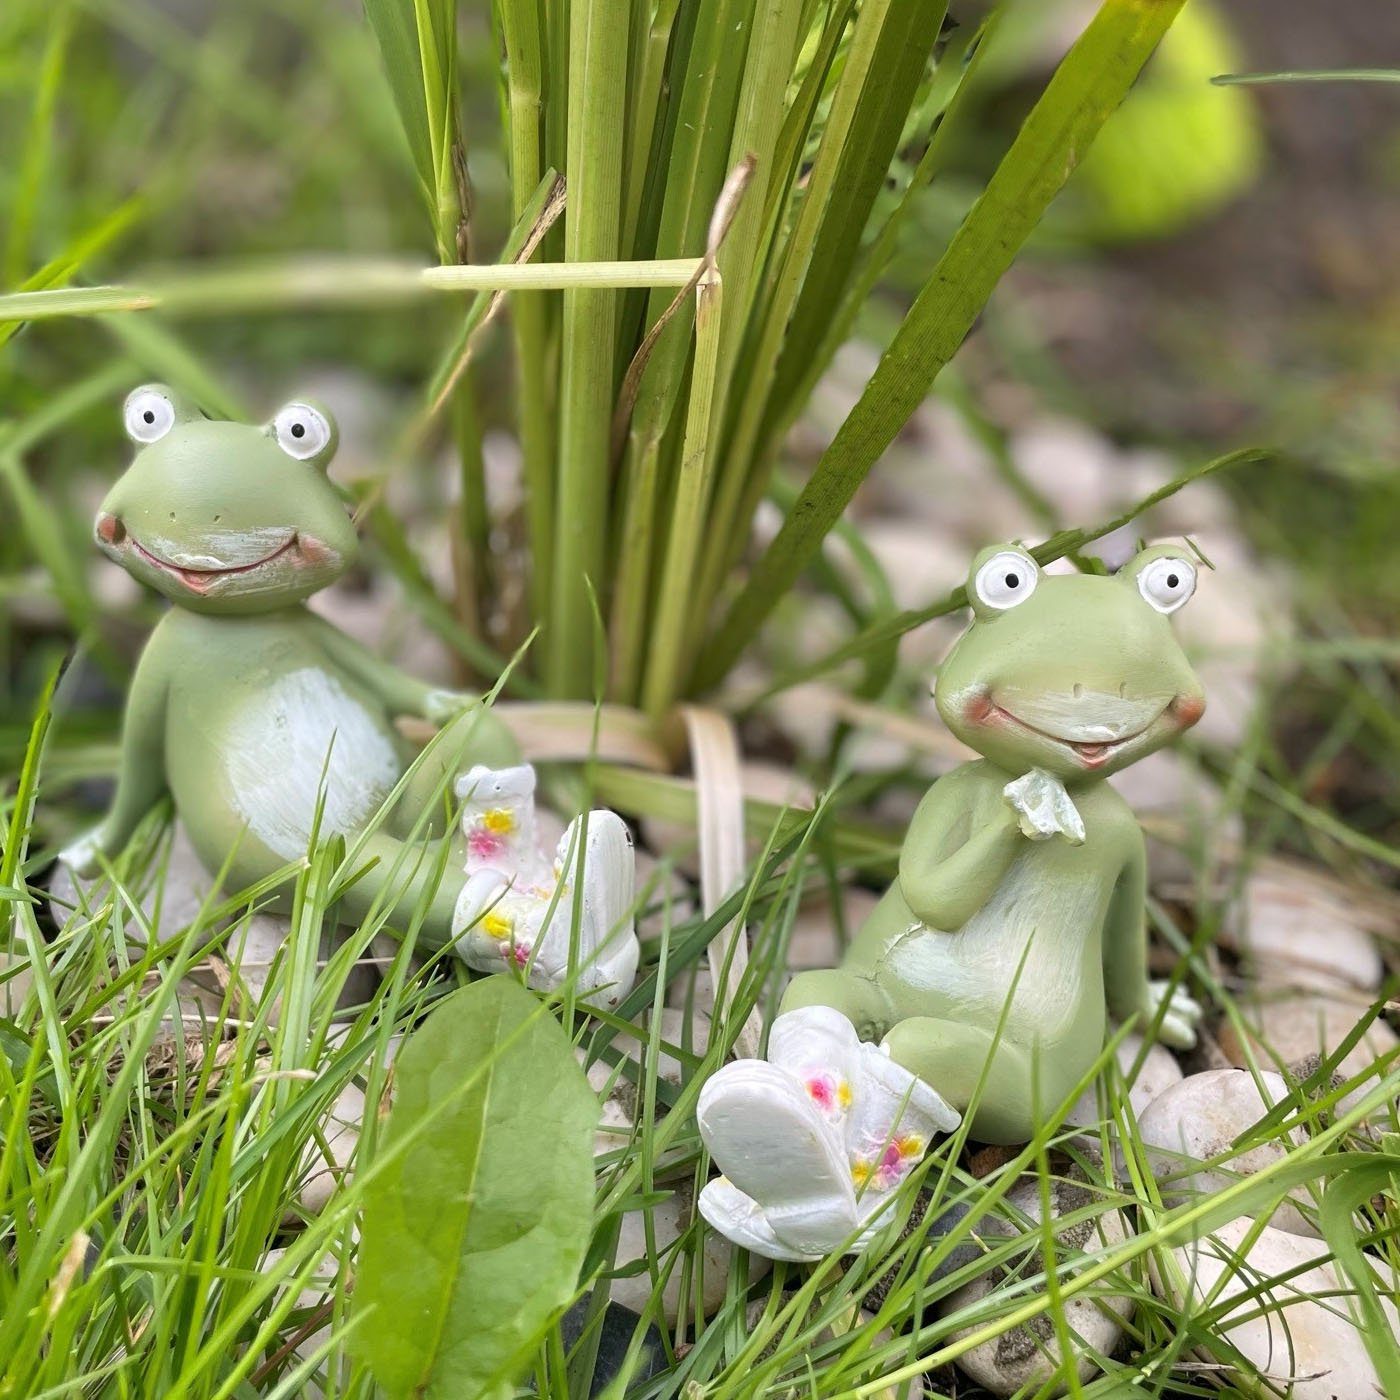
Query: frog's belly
column 968, row 975
column 304, row 740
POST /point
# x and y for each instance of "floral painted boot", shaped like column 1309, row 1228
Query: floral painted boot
column 523, row 913
column 813, row 1141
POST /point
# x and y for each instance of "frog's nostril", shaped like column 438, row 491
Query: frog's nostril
column 1122, row 690
column 110, row 529
column 1078, row 691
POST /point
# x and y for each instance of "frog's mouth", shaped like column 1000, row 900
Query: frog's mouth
column 1093, row 738
column 201, row 580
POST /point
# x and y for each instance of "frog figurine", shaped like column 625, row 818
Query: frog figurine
column 981, row 980
column 257, row 716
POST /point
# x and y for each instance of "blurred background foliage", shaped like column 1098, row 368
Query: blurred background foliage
column 1220, row 271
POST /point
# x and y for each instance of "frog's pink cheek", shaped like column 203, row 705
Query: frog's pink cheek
column 979, row 707
column 1187, row 709
column 315, row 554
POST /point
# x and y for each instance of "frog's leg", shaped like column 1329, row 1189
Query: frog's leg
column 1018, row 1089
column 857, row 996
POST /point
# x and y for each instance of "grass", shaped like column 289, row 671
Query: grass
column 221, row 204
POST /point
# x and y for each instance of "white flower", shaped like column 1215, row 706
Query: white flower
column 814, row 1141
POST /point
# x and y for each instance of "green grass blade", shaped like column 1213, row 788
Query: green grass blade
column 598, row 42
column 1093, row 79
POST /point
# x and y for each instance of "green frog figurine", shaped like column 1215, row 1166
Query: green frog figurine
column 1015, row 925
column 253, row 713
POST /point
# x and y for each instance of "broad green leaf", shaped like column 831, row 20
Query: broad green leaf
column 479, row 1204
column 1087, row 87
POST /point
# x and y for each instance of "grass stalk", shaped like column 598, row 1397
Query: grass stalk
column 1084, row 91
column 598, row 44
column 668, row 655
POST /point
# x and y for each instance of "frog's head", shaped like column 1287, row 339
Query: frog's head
column 1078, row 674
column 226, row 517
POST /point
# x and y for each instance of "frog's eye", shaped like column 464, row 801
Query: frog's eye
column 300, row 431
column 148, row 415
column 1167, row 583
column 1006, row 579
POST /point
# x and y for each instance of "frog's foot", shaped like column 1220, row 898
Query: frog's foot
column 571, row 919
column 815, row 1141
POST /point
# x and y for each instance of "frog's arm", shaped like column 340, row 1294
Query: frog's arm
column 401, row 693
column 1126, row 984
column 945, row 880
column 1125, row 938
column 141, row 779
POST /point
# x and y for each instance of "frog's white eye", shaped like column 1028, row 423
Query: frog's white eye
column 300, row 431
column 1006, row 579
column 1167, row 583
column 148, row 415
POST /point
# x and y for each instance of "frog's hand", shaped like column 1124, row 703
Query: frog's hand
column 1182, row 1016
column 1044, row 808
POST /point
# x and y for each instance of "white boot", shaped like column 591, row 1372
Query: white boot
column 518, row 910
column 815, row 1141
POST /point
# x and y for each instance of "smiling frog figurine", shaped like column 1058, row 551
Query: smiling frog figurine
column 1016, row 922
column 255, row 714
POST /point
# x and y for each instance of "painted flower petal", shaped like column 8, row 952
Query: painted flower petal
column 773, row 1143
column 740, row 1219
column 820, row 1048
column 895, row 1116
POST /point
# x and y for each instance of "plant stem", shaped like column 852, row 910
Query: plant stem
column 598, row 40
column 669, row 654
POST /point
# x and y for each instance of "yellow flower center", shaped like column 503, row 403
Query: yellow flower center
column 497, row 925
column 499, row 820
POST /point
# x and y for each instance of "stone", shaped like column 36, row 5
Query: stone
column 615, row 1333
column 670, row 1219
column 1299, row 1030
column 821, row 929
column 1181, row 812
column 665, row 898
column 1292, row 929
column 620, row 1094
column 934, row 1225
column 1028, row 1355
column 1157, row 1073
column 1199, row 1119
column 324, row 1167
column 1299, row 1332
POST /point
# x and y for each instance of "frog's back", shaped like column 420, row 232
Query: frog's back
column 262, row 728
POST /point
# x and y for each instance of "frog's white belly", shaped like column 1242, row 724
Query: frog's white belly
column 305, row 735
column 972, row 971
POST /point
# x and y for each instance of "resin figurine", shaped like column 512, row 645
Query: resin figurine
column 1015, row 927
column 252, row 712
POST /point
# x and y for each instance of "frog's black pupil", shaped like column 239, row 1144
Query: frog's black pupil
column 298, row 430
column 149, row 416
column 1013, row 580
column 1172, row 580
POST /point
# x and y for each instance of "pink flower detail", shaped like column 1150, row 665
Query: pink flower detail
column 822, row 1089
column 484, row 844
column 521, row 953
